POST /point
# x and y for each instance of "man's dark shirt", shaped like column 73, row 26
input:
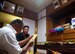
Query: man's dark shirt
column 22, row 36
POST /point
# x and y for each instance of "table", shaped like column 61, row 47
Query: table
column 64, row 49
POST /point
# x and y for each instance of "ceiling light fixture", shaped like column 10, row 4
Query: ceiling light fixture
column 39, row 2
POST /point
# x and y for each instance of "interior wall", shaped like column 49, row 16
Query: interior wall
column 42, row 26
column 7, row 18
column 42, row 30
column 31, row 24
column 30, row 15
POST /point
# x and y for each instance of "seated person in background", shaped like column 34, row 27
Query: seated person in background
column 8, row 41
column 23, row 35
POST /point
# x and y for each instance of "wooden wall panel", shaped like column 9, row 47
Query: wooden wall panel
column 29, row 14
column 50, row 9
column 49, row 25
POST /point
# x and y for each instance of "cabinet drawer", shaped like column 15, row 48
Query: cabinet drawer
column 55, row 38
column 69, row 36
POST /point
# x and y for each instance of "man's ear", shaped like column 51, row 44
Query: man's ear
column 16, row 24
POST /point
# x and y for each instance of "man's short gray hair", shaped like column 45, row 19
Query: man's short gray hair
column 17, row 21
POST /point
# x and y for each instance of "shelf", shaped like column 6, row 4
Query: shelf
column 69, row 31
column 64, row 49
column 62, row 36
column 63, row 10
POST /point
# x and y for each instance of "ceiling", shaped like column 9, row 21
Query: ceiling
column 33, row 5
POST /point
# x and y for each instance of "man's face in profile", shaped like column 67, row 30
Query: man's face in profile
column 18, row 28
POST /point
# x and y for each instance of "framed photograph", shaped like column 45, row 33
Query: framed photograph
column 56, row 4
column 9, row 7
column 1, row 5
column 64, row 1
column 20, row 9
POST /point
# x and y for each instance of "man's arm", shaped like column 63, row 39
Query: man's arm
column 10, row 43
column 30, row 43
column 21, row 43
column 26, row 47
